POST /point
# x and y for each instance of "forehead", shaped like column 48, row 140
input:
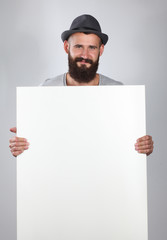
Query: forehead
column 84, row 39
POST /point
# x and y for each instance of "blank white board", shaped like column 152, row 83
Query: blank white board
column 81, row 178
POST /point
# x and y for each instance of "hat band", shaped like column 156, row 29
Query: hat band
column 86, row 28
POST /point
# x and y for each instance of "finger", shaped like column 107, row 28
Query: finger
column 144, row 138
column 142, row 147
column 18, row 150
column 15, row 149
column 19, row 144
column 146, row 151
column 144, row 143
column 17, row 139
column 14, row 129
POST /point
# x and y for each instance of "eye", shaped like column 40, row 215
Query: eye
column 78, row 46
column 92, row 47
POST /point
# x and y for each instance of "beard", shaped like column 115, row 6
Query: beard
column 82, row 74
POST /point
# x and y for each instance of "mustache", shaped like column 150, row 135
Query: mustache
column 80, row 59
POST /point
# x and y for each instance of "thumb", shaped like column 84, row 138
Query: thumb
column 14, row 129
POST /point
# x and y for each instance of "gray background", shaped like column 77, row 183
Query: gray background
column 31, row 51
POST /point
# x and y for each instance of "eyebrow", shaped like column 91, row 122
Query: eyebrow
column 81, row 45
column 94, row 46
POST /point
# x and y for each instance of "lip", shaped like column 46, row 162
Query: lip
column 83, row 62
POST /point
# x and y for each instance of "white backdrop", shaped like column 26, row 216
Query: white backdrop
column 31, row 50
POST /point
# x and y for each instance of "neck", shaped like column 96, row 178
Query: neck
column 72, row 82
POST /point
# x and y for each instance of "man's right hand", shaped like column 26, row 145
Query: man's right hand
column 17, row 144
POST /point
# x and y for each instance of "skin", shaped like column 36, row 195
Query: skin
column 85, row 46
column 88, row 47
column 17, row 144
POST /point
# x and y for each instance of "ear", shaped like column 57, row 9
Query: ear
column 66, row 46
column 101, row 49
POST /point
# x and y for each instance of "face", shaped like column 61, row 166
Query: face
column 83, row 54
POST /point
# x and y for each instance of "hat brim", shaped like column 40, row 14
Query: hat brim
column 66, row 34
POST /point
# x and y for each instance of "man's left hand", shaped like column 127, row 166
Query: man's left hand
column 144, row 145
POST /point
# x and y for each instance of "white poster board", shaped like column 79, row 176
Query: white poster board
column 81, row 178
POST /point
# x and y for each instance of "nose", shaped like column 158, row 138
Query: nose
column 85, row 53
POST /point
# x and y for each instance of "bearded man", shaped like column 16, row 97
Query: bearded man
column 84, row 43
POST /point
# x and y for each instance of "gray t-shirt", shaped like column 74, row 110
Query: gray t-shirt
column 61, row 81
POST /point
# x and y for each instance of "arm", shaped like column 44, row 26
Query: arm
column 145, row 145
column 17, row 144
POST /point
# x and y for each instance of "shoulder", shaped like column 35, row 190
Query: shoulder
column 108, row 81
column 55, row 81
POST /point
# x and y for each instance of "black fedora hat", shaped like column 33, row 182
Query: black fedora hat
column 86, row 24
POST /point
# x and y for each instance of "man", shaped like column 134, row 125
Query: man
column 84, row 44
